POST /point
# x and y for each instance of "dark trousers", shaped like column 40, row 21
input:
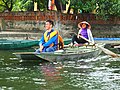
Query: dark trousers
column 78, row 40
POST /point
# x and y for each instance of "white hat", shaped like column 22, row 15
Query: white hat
column 80, row 24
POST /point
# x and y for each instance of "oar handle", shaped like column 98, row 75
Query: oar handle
column 86, row 39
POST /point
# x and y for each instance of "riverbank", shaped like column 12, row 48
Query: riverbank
column 20, row 35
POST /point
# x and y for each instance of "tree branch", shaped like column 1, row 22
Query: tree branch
column 7, row 4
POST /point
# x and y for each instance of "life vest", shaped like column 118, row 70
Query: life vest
column 60, row 42
column 52, row 34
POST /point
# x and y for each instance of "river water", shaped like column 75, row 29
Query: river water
column 100, row 73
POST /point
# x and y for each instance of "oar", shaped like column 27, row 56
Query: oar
column 106, row 51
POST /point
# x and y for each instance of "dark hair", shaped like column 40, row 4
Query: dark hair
column 51, row 22
column 87, row 25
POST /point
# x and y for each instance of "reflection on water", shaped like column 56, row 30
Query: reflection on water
column 101, row 73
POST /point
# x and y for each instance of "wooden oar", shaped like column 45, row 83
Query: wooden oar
column 106, row 51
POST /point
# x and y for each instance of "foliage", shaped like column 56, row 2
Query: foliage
column 28, row 5
column 86, row 6
column 107, row 8
column 42, row 5
column 23, row 5
column 6, row 4
column 1, row 6
column 104, row 8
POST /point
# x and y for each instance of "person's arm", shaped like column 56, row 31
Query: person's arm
column 53, row 39
column 41, row 43
column 78, row 35
column 90, row 36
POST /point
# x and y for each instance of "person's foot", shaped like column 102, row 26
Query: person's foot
column 78, row 45
column 71, row 44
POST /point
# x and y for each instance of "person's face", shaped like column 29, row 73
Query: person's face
column 83, row 25
column 48, row 26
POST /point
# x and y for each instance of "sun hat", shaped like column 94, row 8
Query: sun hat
column 80, row 24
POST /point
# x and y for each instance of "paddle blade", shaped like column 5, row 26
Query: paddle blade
column 108, row 52
column 102, row 48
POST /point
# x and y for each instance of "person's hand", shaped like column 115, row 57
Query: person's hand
column 41, row 48
column 77, row 36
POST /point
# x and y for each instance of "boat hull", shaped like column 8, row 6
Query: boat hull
column 66, row 54
column 27, row 56
column 74, row 56
column 17, row 44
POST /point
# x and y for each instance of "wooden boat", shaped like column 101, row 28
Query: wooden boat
column 67, row 41
column 16, row 44
column 69, row 53
column 20, row 44
column 117, row 47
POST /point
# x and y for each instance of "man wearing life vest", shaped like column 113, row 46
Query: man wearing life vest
column 49, row 41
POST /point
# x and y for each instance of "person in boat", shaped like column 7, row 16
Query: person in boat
column 50, row 39
column 84, row 30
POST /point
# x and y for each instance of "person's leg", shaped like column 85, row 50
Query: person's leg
column 74, row 38
column 51, row 49
column 38, row 51
column 80, row 40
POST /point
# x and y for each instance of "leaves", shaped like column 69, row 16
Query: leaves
column 107, row 8
column 7, row 4
column 22, row 5
column 104, row 8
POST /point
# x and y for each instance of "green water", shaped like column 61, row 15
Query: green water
column 101, row 73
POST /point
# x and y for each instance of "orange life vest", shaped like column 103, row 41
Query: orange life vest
column 60, row 42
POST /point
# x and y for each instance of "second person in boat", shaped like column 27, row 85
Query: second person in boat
column 84, row 30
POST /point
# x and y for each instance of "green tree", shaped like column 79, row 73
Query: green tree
column 107, row 8
column 16, row 5
column 6, row 5
column 23, row 5
column 104, row 8
column 42, row 5
column 86, row 6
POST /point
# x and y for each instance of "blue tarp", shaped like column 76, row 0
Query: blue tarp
column 108, row 39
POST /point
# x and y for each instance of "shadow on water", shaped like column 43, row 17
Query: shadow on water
column 97, row 73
